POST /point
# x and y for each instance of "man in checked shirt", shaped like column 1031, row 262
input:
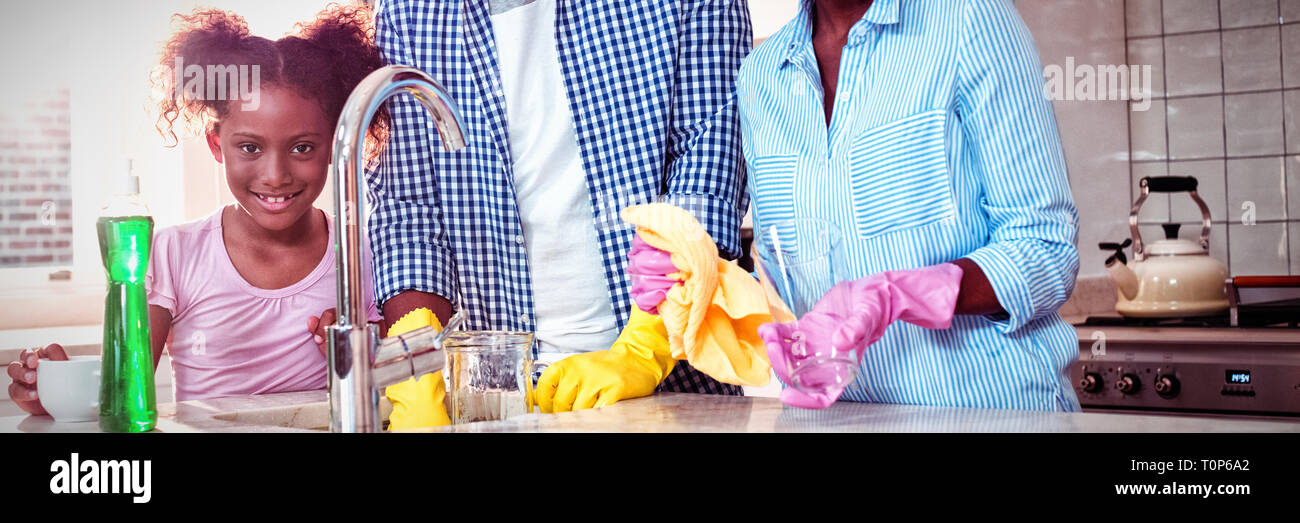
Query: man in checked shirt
column 572, row 111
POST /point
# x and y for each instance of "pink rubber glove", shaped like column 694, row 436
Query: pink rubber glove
column 649, row 268
column 852, row 316
column 789, row 343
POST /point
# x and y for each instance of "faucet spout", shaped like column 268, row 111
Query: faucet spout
column 354, row 345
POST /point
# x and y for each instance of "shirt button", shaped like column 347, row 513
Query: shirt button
column 523, row 319
column 519, row 239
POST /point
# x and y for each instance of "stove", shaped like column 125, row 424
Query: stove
column 1188, row 365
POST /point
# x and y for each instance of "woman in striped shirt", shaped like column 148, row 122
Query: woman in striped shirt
column 957, row 217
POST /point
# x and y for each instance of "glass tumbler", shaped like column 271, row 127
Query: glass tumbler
column 798, row 261
column 489, row 375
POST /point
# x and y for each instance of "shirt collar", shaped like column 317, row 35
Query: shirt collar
column 881, row 13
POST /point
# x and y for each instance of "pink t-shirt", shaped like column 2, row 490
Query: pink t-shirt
column 230, row 338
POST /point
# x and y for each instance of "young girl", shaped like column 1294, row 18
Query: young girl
column 241, row 292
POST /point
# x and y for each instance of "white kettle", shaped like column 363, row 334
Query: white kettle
column 1171, row 277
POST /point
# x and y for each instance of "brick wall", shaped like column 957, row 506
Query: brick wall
column 35, row 189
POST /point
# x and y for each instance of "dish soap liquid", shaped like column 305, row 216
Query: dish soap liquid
column 126, row 394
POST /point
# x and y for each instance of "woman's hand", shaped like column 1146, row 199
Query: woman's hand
column 649, row 269
column 23, row 373
column 852, row 316
column 316, row 326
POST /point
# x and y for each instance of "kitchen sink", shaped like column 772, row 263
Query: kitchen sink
column 308, row 416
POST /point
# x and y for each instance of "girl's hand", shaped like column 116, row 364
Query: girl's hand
column 23, row 372
column 317, row 327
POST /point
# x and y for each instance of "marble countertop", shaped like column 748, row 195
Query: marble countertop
column 671, row 412
column 674, row 412
column 287, row 412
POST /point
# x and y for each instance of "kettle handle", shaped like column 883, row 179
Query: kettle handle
column 1171, row 183
column 1167, row 184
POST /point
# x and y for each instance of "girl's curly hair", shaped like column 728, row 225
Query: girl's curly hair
column 323, row 59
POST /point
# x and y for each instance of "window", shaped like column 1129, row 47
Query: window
column 74, row 103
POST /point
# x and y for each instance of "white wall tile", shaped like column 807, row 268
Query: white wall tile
column 1094, row 133
column 1291, row 10
column 1190, row 15
column 1293, row 240
column 1149, row 52
column 1147, row 133
column 1210, row 178
column 1155, row 209
column 1142, row 17
column 1293, row 188
column 1196, row 127
column 1241, row 13
column 1258, row 250
column 1261, row 182
column 1291, row 99
column 1254, row 123
column 1192, row 64
column 1291, row 55
column 1252, row 59
column 1218, row 240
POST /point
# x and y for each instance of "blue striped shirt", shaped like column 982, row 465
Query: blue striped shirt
column 941, row 146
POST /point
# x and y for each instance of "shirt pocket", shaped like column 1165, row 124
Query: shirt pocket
column 898, row 175
column 774, row 187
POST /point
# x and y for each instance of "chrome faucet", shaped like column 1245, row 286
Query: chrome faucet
column 359, row 362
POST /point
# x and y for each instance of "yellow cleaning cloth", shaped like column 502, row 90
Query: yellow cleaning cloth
column 417, row 403
column 713, row 316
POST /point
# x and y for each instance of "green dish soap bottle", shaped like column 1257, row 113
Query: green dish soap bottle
column 126, row 393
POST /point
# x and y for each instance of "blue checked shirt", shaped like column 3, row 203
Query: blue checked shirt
column 651, row 88
column 941, row 146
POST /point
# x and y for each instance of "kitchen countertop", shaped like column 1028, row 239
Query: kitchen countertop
column 1193, row 335
column 667, row 412
column 675, row 412
column 264, row 413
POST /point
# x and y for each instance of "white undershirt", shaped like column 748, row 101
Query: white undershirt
column 572, row 304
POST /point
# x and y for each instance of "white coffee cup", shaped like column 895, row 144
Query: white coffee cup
column 69, row 390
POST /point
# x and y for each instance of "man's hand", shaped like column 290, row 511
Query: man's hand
column 23, row 373
column 592, row 380
column 631, row 368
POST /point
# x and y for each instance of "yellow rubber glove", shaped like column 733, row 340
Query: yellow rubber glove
column 417, row 403
column 631, row 368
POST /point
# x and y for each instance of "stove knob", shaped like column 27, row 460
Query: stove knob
column 1167, row 386
column 1091, row 382
column 1128, row 384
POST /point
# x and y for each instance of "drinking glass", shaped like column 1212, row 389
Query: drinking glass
column 489, row 375
column 797, row 262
